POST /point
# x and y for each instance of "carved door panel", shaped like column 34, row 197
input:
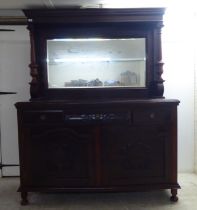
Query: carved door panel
column 132, row 155
column 59, row 157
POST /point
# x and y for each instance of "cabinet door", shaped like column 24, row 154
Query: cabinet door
column 59, row 157
column 132, row 155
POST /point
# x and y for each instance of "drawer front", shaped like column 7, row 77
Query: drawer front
column 151, row 116
column 75, row 117
column 51, row 116
column 137, row 116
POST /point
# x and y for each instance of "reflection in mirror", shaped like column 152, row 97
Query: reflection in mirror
column 96, row 63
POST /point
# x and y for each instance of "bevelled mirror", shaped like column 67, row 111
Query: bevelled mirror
column 96, row 63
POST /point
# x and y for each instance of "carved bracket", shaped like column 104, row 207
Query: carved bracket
column 34, row 84
column 157, row 87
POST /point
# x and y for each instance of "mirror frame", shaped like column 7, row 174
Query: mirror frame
column 95, row 23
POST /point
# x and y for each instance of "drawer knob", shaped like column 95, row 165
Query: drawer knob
column 152, row 115
column 43, row 117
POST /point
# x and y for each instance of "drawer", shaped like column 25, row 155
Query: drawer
column 46, row 116
column 151, row 116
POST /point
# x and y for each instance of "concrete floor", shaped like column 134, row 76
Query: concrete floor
column 157, row 200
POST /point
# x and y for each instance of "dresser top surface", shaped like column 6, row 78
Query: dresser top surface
column 63, row 103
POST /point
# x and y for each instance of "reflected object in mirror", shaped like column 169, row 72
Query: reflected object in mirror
column 95, row 82
column 129, row 79
column 76, row 83
column 112, row 83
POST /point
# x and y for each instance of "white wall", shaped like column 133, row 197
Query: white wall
column 178, row 56
column 14, row 77
column 195, row 95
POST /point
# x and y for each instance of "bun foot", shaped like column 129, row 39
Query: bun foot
column 174, row 197
column 24, row 200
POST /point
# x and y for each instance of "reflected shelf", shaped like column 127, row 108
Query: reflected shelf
column 77, row 59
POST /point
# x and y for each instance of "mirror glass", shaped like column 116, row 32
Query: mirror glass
column 96, row 63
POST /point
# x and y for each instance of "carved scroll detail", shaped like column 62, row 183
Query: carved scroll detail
column 34, row 84
column 157, row 87
column 159, row 72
